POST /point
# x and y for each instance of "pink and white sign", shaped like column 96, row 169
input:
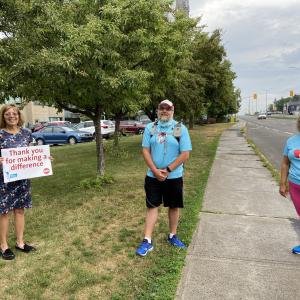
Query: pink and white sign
column 26, row 162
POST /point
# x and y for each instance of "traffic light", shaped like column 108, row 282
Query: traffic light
column 292, row 94
column 254, row 96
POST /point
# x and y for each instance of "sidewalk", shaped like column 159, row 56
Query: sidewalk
column 241, row 248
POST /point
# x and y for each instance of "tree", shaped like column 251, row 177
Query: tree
column 206, row 82
column 189, row 90
column 169, row 51
column 159, row 60
column 83, row 56
column 282, row 103
column 220, row 95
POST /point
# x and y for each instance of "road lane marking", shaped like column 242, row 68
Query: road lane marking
column 270, row 128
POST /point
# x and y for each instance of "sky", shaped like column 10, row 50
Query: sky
column 262, row 40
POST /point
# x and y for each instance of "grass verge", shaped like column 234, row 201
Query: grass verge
column 274, row 172
column 86, row 238
column 283, row 117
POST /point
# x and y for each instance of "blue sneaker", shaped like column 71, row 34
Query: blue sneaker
column 144, row 248
column 296, row 250
column 176, row 242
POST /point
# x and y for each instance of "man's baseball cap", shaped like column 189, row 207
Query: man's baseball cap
column 166, row 103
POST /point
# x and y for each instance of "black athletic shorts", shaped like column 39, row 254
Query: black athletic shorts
column 169, row 192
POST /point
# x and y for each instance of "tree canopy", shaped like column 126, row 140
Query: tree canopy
column 112, row 56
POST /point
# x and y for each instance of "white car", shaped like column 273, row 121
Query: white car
column 107, row 127
column 262, row 116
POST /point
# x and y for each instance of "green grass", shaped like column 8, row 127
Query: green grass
column 284, row 117
column 86, row 238
column 274, row 172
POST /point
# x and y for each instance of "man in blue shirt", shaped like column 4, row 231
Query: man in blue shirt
column 166, row 146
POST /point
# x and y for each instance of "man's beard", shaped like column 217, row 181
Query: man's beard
column 164, row 119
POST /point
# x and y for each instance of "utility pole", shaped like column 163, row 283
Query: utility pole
column 255, row 98
column 249, row 106
column 256, row 106
column 266, row 102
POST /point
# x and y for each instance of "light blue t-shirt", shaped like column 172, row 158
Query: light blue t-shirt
column 292, row 151
column 164, row 147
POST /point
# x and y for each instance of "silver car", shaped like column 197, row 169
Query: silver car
column 107, row 127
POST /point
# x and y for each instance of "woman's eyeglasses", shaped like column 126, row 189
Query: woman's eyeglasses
column 11, row 114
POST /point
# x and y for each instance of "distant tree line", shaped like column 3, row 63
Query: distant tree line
column 117, row 57
column 280, row 104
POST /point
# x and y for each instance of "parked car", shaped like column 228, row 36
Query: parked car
column 61, row 135
column 39, row 126
column 107, row 127
column 145, row 121
column 132, row 126
column 262, row 116
column 60, row 123
column 277, row 112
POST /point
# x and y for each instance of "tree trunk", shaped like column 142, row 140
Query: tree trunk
column 99, row 144
column 117, row 132
column 151, row 114
column 191, row 121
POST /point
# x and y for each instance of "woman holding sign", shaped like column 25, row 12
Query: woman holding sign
column 14, row 196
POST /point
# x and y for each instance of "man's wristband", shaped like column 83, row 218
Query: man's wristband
column 169, row 170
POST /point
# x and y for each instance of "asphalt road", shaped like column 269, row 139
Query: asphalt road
column 270, row 136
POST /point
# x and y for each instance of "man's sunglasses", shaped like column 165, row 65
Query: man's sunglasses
column 167, row 108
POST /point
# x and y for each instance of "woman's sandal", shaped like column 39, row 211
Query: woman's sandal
column 27, row 248
column 7, row 254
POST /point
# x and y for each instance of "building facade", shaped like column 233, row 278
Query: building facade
column 293, row 106
column 34, row 112
column 183, row 5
